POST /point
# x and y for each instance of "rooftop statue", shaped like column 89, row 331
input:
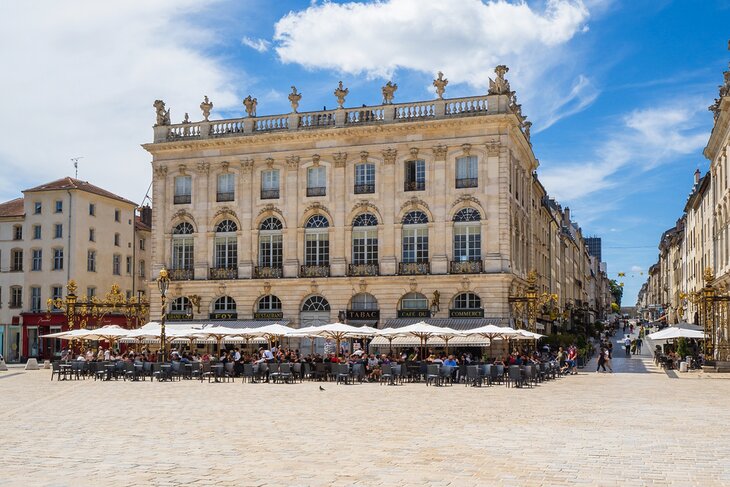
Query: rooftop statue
column 206, row 106
column 250, row 104
column 388, row 92
column 440, row 84
column 499, row 86
column 163, row 116
column 527, row 126
column 294, row 98
column 341, row 93
column 186, row 119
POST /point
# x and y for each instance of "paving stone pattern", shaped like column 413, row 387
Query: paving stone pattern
column 633, row 427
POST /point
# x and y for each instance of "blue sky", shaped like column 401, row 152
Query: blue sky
column 617, row 91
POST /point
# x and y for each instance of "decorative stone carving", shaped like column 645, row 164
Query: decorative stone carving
column 225, row 165
column 414, row 152
column 292, row 162
column 364, row 205
column 439, row 152
column 414, row 201
column 270, row 208
column 527, row 126
column 315, row 160
column 389, row 156
column 440, row 84
column 182, row 215
column 294, row 99
column 250, row 104
column 466, row 198
column 203, row 167
column 340, row 159
column 163, row 116
column 499, row 86
column 492, row 147
column 413, row 284
column 195, row 301
column 715, row 108
column 389, row 92
column 160, row 171
column 269, row 162
column 364, row 156
column 225, row 211
column 465, row 283
column 341, row 93
column 466, row 148
column 515, row 107
column 267, row 287
column 181, row 168
column 362, row 285
column 316, row 206
column 313, row 286
column 222, row 288
column 206, row 106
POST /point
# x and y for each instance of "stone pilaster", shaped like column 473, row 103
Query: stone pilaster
column 291, row 260
column 437, row 229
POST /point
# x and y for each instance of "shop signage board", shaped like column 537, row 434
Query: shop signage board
column 224, row 315
column 414, row 313
column 268, row 315
column 363, row 314
column 466, row 313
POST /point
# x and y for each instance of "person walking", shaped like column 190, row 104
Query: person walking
column 627, row 346
column 601, row 360
column 638, row 345
column 609, row 356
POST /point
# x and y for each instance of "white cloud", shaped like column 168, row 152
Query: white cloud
column 463, row 39
column 80, row 80
column 636, row 268
column 260, row 45
column 644, row 140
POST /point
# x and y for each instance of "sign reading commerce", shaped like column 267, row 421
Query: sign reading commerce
column 268, row 315
column 466, row 313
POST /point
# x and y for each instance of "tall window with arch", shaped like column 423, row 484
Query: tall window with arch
column 271, row 253
column 316, row 303
column 365, row 239
column 182, row 247
column 414, row 246
column 467, row 251
column 413, row 305
column 365, row 178
column 181, row 306
column 316, row 241
column 466, row 305
column 224, row 304
column 268, row 307
column 363, row 301
column 226, row 245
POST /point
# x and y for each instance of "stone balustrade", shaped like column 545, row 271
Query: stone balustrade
column 342, row 117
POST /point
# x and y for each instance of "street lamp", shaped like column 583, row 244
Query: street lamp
column 163, row 283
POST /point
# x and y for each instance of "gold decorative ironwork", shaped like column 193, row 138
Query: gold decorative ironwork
column 530, row 304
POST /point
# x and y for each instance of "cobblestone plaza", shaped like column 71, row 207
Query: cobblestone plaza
column 635, row 427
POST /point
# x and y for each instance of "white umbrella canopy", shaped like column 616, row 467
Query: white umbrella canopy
column 67, row 335
column 423, row 331
column 275, row 329
column 675, row 332
column 527, row 335
column 109, row 332
column 493, row 331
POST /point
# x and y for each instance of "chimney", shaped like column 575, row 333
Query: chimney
column 145, row 214
column 566, row 215
column 697, row 176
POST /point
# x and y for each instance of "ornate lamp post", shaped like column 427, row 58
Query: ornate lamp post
column 163, row 283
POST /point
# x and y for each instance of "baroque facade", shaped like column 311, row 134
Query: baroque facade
column 697, row 249
column 409, row 211
column 60, row 231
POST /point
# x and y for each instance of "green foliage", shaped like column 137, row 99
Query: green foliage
column 615, row 307
column 617, row 291
column 682, row 347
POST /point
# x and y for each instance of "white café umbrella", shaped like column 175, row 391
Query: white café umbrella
column 423, row 331
column 273, row 331
column 673, row 332
column 340, row 331
column 221, row 332
column 493, row 332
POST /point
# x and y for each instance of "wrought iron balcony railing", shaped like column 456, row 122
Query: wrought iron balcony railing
column 225, row 196
column 269, row 194
column 364, row 188
column 223, row 273
column 414, row 268
column 181, row 199
column 314, row 270
column 467, row 183
column 414, row 186
column 268, row 272
column 318, row 191
column 465, row 267
column 180, row 274
column 363, row 269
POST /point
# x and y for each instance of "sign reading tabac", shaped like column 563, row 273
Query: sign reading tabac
column 268, row 315
column 224, row 315
column 363, row 314
column 466, row 313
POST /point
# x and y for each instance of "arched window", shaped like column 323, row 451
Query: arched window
column 365, row 239
column 364, row 301
column 269, row 303
column 364, row 178
column 224, row 303
column 182, row 247
column 226, row 245
column 316, row 303
column 413, row 301
column 270, row 243
column 415, row 238
column 317, row 241
column 181, row 305
column 467, row 301
column 467, row 235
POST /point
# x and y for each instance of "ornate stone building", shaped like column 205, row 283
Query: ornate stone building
column 372, row 214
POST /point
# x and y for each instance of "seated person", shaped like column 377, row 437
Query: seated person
column 451, row 361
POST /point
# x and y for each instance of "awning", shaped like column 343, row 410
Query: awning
column 460, row 324
column 228, row 323
column 412, row 341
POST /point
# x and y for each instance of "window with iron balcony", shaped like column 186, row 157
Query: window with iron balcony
column 415, row 175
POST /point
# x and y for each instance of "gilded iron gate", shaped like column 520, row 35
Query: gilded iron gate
column 714, row 313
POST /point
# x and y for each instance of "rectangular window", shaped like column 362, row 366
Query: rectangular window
column 226, row 252
column 129, row 265
column 142, row 271
column 270, row 184
column 16, row 260
column 92, row 209
column 56, row 292
column 415, row 244
column 182, row 252
column 58, row 230
column 37, row 208
column 317, row 181
column 116, row 264
column 183, row 189
column 415, row 176
column 35, row 299
column 270, row 250
column 364, row 178
column 57, row 259
column 141, row 243
column 37, row 260
column 16, row 297
column 467, row 243
column 316, row 248
column 36, row 232
column 92, row 235
column 117, row 216
column 18, row 232
column 59, row 206
column 466, row 172
column 226, row 185
column 116, row 240
column 91, row 261
column 90, row 292
column 365, row 246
